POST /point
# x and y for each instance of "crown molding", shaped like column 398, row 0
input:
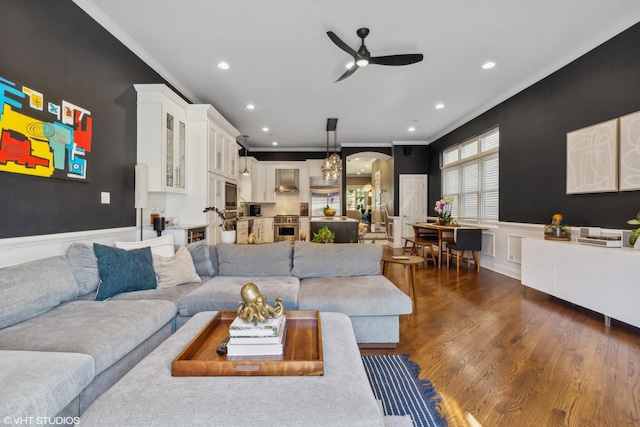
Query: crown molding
column 606, row 33
column 107, row 23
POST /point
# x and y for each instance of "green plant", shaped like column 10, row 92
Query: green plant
column 226, row 224
column 324, row 235
column 635, row 233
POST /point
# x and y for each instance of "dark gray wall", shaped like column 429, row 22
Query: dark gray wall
column 55, row 46
column 601, row 85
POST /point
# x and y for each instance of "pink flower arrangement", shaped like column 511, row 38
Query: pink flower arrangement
column 443, row 207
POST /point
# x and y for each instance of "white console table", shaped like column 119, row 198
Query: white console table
column 605, row 280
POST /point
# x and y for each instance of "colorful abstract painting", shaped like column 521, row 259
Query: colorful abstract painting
column 42, row 134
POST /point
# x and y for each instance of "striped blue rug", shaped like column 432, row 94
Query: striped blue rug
column 394, row 380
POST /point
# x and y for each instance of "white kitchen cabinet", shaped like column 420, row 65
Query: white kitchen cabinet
column 242, row 231
column 162, row 137
column 218, row 146
column 215, row 198
column 258, row 230
column 258, row 184
column 268, row 230
column 601, row 279
column 231, row 155
column 270, row 184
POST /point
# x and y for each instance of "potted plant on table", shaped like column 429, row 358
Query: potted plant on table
column 633, row 237
column 443, row 209
column 228, row 234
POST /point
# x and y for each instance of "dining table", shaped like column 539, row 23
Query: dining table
column 446, row 234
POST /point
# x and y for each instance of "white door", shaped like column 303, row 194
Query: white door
column 413, row 199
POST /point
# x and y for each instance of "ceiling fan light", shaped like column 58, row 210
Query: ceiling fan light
column 362, row 62
column 350, row 65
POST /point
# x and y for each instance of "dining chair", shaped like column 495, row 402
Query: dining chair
column 466, row 239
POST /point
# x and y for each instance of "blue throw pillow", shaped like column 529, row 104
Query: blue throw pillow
column 123, row 271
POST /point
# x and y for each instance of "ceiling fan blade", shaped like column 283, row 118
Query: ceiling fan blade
column 411, row 58
column 348, row 73
column 342, row 45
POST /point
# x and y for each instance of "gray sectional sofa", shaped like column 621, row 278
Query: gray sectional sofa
column 60, row 348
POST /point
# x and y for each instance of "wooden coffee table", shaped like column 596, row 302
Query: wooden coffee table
column 409, row 262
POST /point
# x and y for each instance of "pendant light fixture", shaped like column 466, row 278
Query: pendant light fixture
column 326, row 163
column 332, row 165
column 245, row 172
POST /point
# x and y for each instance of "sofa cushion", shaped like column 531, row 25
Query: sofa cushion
column 174, row 293
column 223, row 293
column 41, row 384
column 335, row 260
column 270, row 259
column 34, row 287
column 105, row 330
column 123, row 271
column 84, row 265
column 175, row 270
column 162, row 245
column 354, row 296
column 201, row 256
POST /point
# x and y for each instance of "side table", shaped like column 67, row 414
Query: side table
column 409, row 263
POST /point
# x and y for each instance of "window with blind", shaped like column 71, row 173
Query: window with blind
column 470, row 175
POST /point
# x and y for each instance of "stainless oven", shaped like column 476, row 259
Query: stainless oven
column 231, row 199
column 286, row 227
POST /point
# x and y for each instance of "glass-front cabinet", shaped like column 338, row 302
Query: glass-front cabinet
column 162, row 138
column 175, row 153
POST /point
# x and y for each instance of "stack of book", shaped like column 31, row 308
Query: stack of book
column 263, row 339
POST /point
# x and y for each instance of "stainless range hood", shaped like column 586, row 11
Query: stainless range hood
column 320, row 185
column 287, row 180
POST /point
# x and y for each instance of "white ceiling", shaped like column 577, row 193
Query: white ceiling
column 282, row 61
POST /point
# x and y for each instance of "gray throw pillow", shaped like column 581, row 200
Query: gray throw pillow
column 84, row 266
column 201, row 258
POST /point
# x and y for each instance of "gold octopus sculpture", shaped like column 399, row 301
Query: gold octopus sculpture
column 254, row 307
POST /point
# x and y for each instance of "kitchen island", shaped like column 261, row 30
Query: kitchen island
column 345, row 228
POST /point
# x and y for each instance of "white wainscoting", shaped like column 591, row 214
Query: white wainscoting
column 22, row 249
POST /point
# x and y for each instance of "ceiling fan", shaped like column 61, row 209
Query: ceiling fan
column 362, row 57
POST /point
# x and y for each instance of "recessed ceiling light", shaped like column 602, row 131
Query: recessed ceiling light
column 265, row 129
column 274, row 143
column 251, row 107
column 439, row 106
column 411, row 129
column 488, row 65
column 357, row 158
column 223, row 66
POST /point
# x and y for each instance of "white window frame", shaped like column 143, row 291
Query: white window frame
column 482, row 199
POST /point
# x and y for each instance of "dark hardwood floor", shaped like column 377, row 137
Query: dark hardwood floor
column 501, row 357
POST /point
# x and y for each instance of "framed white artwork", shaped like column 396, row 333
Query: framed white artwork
column 630, row 152
column 592, row 159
